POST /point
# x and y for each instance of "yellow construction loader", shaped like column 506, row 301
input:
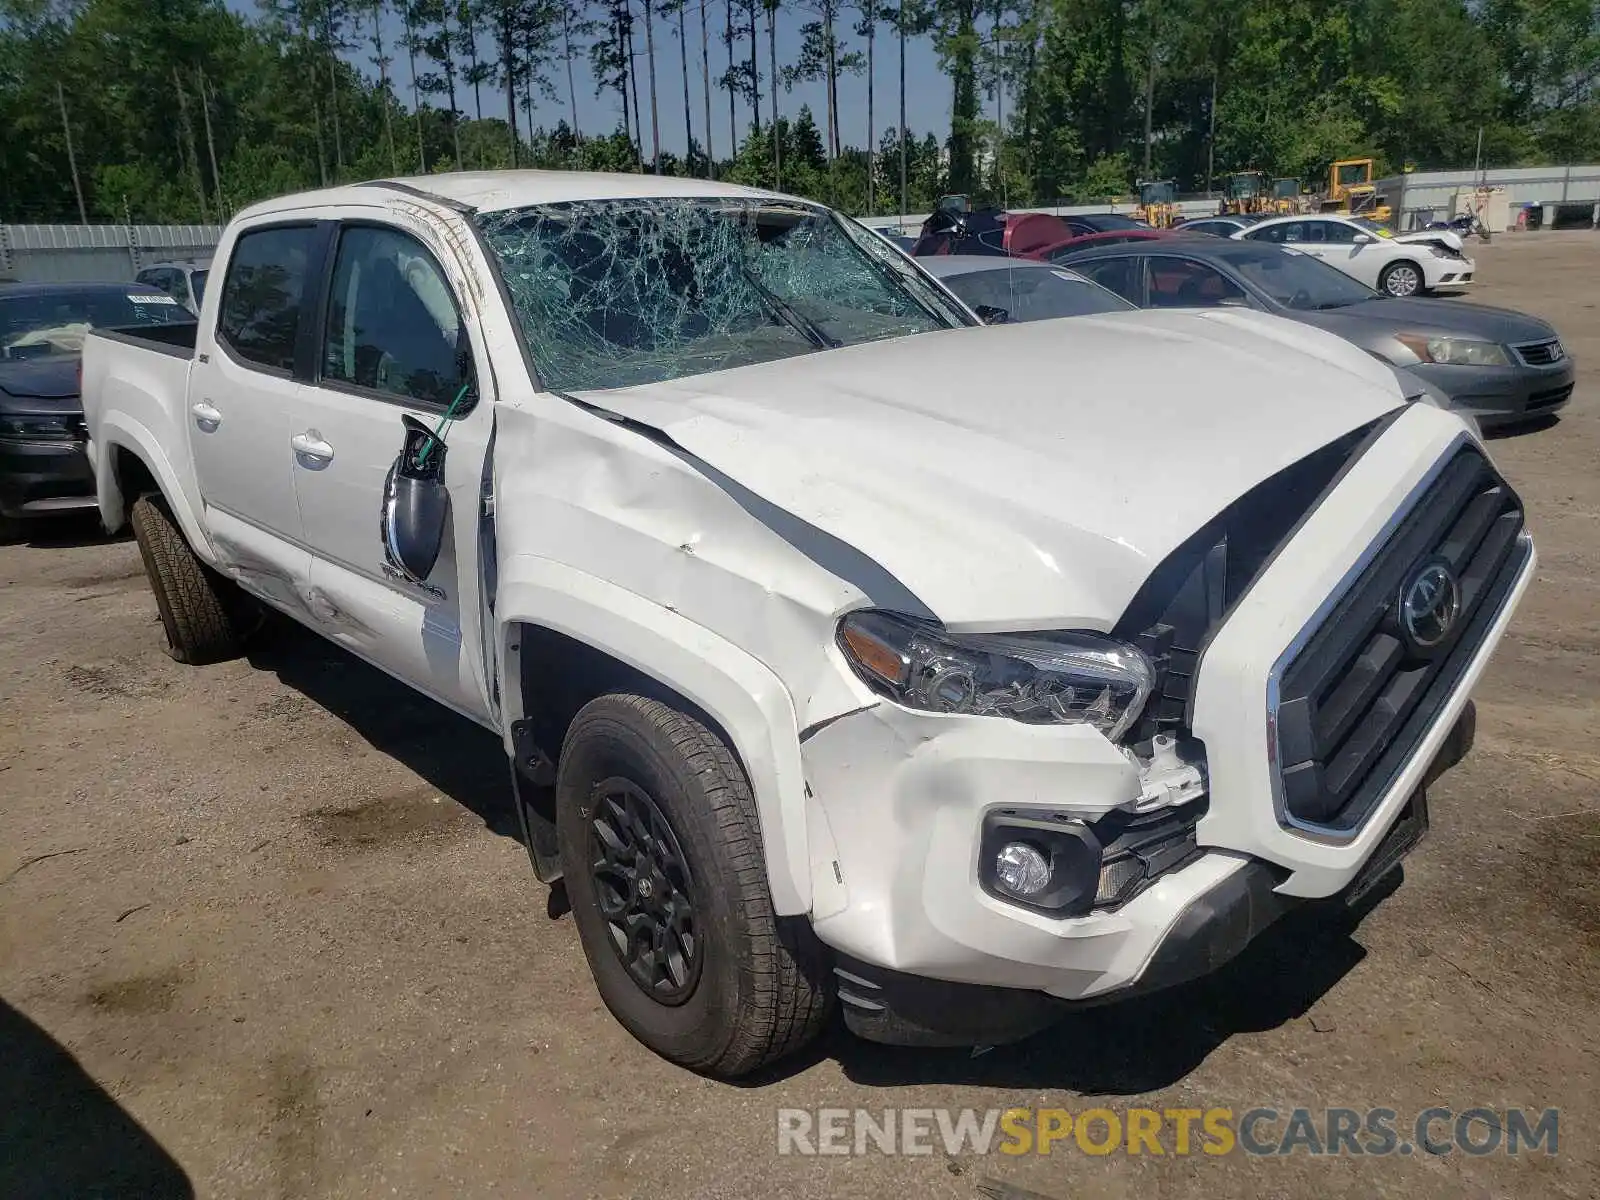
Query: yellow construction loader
column 1351, row 192
column 1247, row 193
column 1157, row 203
column 1286, row 199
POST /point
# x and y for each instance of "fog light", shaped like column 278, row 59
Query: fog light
column 1021, row 869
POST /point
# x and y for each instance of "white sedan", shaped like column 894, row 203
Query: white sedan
column 1406, row 264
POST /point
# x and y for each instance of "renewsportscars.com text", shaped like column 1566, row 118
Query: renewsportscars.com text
column 1261, row 1131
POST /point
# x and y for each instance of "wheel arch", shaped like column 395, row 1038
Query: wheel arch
column 129, row 463
column 589, row 637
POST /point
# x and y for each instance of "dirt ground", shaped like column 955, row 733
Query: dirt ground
column 266, row 931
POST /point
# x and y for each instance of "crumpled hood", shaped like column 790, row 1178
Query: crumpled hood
column 1021, row 476
column 1445, row 237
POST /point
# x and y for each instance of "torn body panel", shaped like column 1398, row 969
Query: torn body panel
column 614, row 540
column 902, row 797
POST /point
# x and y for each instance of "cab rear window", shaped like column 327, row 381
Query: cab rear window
column 262, row 295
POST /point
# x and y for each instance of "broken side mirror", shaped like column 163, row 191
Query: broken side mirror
column 416, row 506
column 990, row 315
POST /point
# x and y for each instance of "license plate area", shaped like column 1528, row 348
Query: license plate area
column 1401, row 839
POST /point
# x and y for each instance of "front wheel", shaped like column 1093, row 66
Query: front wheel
column 661, row 853
column 1403, row 278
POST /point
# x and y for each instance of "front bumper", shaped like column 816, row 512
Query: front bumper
column 897, row 799
column 37, row 478
column 1211, row 931
column 1447, row 272
column 1502, row 395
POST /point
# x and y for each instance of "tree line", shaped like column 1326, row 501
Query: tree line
column 185, row 110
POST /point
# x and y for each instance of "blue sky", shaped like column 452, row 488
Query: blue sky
column 927, row 90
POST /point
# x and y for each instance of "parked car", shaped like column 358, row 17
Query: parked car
column 1493, row 364
column 1112, row 237
column 1040, row 236
column 1221, row 226
column 897, row 239
column 1017, row 289
column 1408, row 264
column 842, row 648
column 183, row 281
column 1083, row 224
column 43, row 467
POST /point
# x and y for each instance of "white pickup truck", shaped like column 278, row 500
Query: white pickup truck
column 844, row 649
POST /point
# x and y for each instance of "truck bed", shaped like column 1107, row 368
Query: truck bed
column 176, row 339
column 138, row 381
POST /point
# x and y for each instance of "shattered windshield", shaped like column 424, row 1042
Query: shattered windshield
column 611, row 293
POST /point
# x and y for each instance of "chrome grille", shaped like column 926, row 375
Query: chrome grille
column 1541, row 354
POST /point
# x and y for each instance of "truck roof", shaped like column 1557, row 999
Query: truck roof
column 494, row 191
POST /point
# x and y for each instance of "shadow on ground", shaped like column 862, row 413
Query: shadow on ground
column 1145, row 1043
column 463, row 760
column 1519, row 428
column 66, row 530
column 61, row 1134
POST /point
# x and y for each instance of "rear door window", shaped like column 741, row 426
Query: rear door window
column 1185, row 283
column 1120, row 275
column 1289, row 231
column 1336, row 232
column 262, row 295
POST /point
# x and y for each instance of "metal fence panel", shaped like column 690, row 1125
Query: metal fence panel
column 85, row 253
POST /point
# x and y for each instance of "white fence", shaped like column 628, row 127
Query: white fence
column 84, row 253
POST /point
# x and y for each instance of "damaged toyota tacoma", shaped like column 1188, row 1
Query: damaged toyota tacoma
column 846, row 651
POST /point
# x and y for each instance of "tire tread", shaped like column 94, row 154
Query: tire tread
column 199, row 626
column 792, row 998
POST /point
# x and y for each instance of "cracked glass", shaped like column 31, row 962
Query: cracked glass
column 613, row 293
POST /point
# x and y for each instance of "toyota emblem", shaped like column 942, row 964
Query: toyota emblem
column 1430, row 603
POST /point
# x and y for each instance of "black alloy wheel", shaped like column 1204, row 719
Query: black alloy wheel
column 644, row 890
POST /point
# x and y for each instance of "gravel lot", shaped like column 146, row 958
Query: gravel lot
column 266, row 930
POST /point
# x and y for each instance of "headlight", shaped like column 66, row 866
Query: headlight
column 36, row 428
column 1036, row 678
column 1454, row 351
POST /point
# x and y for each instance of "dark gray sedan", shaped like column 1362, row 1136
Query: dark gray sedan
column 1497, row 365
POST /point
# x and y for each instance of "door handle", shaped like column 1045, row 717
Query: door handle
column 205, row 416
column 311, row 449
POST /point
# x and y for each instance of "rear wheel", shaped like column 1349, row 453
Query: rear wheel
column 199, row 609
column 662, row 859
column 1402, row 278
column 10, row 529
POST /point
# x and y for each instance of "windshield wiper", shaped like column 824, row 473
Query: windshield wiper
column 789, row 315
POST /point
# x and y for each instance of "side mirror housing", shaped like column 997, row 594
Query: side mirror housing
column 990, row 315
column 1365, row 239
column 416, row 506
